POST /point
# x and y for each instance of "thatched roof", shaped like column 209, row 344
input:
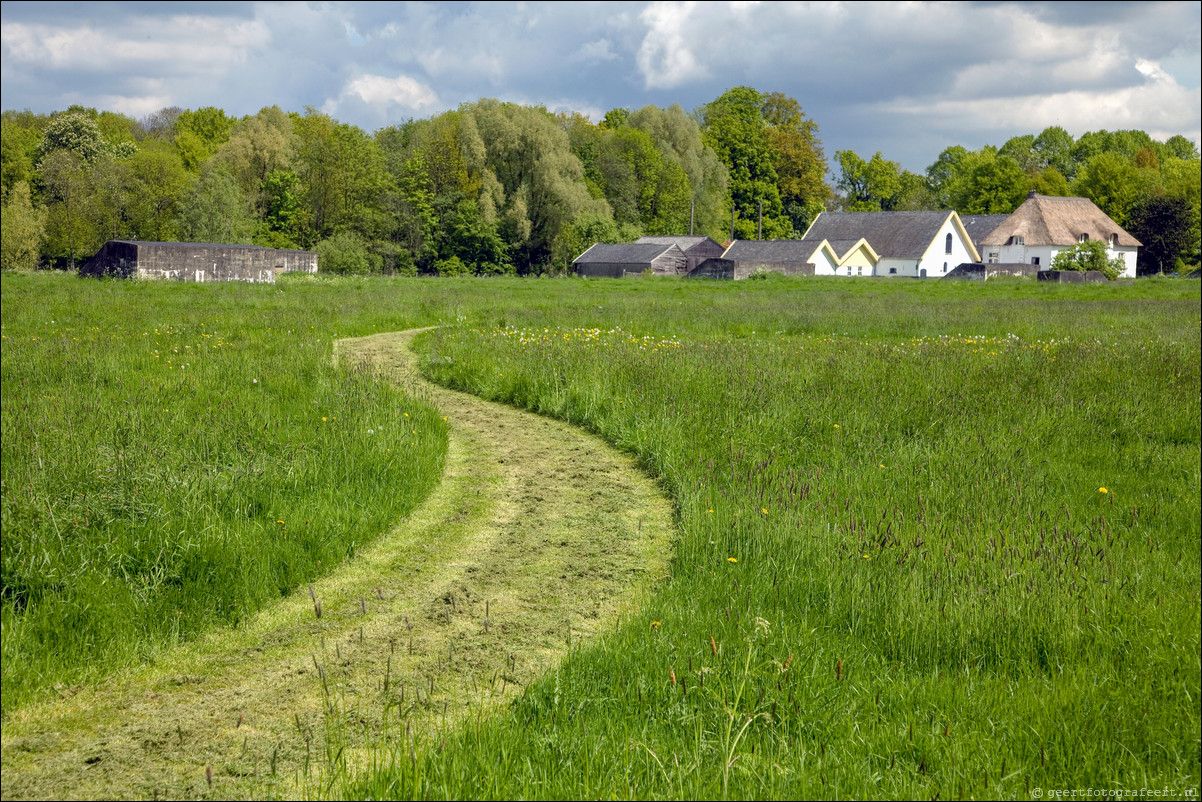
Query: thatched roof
column 1047, row 220
column 893, row 235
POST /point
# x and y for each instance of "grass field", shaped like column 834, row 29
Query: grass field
column 935, row 539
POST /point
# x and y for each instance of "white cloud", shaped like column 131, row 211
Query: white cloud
column 594, row 52
column 1159, row 105
column 664, row 58
column 400, row 90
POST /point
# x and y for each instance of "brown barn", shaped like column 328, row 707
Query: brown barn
column 696, row 249
column 194, row 261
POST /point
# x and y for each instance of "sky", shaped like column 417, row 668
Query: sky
column 907, row 79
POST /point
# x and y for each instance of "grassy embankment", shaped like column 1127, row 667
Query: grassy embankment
column 175, row 456
column 936, row 541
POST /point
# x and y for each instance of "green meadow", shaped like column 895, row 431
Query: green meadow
column 934, row 539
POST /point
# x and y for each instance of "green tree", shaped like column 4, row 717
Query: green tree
column 67, row 191
column 678, row 137
column 1054, row 147
column 1182, row 178
column 988, row 183
column 344, row 253
column 216, row 210
column 868, row 186
column 1162, row 224
column 199, row 133
column 1115, row 184
column 529, row 176
column 798, row 159
column 1089, row 255
column 734, row 126
column 76, row 132
column 20, row 139
column 22, row 229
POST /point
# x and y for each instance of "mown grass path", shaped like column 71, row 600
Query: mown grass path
column 539, row 536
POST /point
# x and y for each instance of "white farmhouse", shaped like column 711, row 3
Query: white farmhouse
column 914, row 244
column 1044, row 225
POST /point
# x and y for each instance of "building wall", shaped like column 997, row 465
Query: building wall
column 1025, row 254
column 743, row 269
column 197, row 262
column 609, row 269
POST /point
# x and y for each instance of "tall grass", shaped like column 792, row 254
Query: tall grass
column 174, row 456
column 935, row 540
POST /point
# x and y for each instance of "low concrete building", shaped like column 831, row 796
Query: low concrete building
column 615, row 260
column 193, row 261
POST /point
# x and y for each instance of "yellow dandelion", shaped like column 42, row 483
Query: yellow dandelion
column 280, row 522
column 1103, row 490
column 732, row 559
column 763, row 510
column 655, row 625
column 865, row 556
column 836, row 426
column 323, row 419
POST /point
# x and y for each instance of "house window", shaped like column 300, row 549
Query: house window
column 1114, row 240
column 994, row 256
column 947, row 244
column 945, row 267
column 860, row 270
column 1034, row 260
column 1083, row 238
column 1017, row 240
column 893, row 271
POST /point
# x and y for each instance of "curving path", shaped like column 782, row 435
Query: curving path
column 538, row 536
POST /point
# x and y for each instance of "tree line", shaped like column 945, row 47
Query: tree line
column 495, row 187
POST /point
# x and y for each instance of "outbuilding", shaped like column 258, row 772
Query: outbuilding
column 194, row 261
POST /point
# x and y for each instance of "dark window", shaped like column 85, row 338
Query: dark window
column 947, row 244
column 1034, row 260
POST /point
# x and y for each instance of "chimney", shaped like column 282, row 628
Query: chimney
column 1031, row 194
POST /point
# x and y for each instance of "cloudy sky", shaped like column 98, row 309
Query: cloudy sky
column 904, row 78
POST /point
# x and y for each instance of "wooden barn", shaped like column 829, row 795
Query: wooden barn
column 194, row 261
column 696, row 249
column 615, row 260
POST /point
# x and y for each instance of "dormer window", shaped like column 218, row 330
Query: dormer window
column 1082, row 238
column 1114, row 240
column 1017, row 239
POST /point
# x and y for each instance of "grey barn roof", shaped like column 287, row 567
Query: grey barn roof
column 893, row 235
column 684, row 243
column 980, row 226
column 628, row 252
column 771, row 250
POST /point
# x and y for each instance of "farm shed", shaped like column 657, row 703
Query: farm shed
column 1043, row 226
column 696, row 249
column 615, row 260
column 791, row 257
column 194, row 261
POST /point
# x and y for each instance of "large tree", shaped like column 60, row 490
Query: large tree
column 735, row 127
column 1162, row 225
